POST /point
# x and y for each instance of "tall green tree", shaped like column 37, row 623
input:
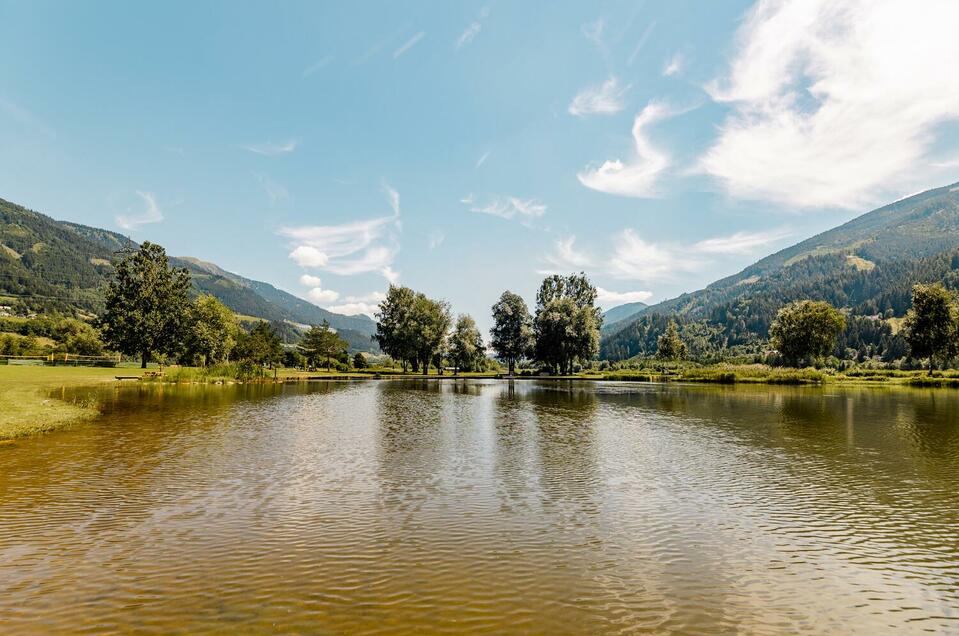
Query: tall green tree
column 930, row 327
column 394, row 325
column 431, row 323
column 211, row 330
column 260, row 346
column 806, row 329
column 567, row 322
column 512, row 334
column 321, row 342
column 146, row 305
column 466, row 348
column 670, row 346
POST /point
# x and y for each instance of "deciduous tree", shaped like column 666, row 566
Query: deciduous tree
column 466, row 344
column 512, row 333
column 806, row 329
column 930, row 327
column 146, row 304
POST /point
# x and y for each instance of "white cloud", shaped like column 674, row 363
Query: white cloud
column 740, row 242
column 322, row 296
column 274, row 191
column 482, row 160
column 636, row 259
column 309, row 256
column 468, row 34
column 508, row 207
column 638, row 177
column 351, row 248
column 310, row 281
column 595, row 32
column 642, row 41
column 436, row 238
column 565, row 257
column 605, row 99
column 353, row 309
column 394, row 198
column 152, row 214
column 316, row 66
column 607, row 299
column 271, row 149
column 674, row 65
column 406, row 46
column 835, row 103
column 390, row 275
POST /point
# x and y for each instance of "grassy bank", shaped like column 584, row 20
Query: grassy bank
column 26, row 407
column 762, row 374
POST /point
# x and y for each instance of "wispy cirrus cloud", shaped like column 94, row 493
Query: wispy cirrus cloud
column 273, row 149
column 315, row 67
column 835, row 103
column 634, row 258
column 565, row 257
column 604, row 99
column 435, row 238
column 473, row 29
column 355, row 247
column 641, row 43
column 410, row 43
column 674, row 65
column 482, row 159
column 152, row 213
column 274, row 190
column 507, row 207
column 637, row 176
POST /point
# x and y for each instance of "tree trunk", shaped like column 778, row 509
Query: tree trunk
column 512, row 366
column 416, row 365
column 144, row 359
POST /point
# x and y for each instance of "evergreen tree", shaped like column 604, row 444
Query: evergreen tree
column 146, row 305
column 322, row 342
column 670, row 345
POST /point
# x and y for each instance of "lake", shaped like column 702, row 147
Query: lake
column 487, row 507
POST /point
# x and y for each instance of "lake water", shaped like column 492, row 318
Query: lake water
column 487, row 507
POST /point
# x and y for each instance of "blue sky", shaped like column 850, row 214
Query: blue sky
column 467, row 148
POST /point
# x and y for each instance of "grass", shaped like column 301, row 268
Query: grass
column 25, row 405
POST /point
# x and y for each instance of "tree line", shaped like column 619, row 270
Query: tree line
column 562, row 333
column 149, row 314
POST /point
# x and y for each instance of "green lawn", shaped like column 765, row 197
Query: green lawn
column 26, row 409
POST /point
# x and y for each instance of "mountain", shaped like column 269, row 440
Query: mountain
column 620, row 313
column 867, row 266
column 47, row 264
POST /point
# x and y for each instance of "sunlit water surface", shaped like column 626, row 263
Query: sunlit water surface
column 485, row 506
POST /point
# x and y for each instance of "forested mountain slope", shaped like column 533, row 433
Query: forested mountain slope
column 867, row 266
column 48, row 264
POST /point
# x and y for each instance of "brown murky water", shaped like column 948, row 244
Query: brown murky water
column 399, row 507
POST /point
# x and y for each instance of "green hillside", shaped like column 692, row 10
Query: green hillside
column 612, row 317
column 47, row 265
column 866, row 266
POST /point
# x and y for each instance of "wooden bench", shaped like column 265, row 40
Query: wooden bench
column 127, row 377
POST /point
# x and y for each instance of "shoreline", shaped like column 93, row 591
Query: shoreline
column 27, row 406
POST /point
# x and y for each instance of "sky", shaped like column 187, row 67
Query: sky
column 472, row 147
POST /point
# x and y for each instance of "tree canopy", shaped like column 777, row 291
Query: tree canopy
column 806, row 329
column 931, row 325
column 322, row 343
column 512, row 334
column 146, row 304
column 567, row 322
